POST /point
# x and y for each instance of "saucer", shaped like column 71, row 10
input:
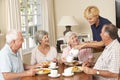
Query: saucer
column 67, row 74
column 53, row 75
column 73, row 63
column 53, row 68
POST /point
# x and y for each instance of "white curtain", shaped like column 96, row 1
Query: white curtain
column 13, row 15
column 48, row 19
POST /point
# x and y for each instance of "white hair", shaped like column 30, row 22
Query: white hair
column 11, row 35
column 39, row 35
column 68, row 35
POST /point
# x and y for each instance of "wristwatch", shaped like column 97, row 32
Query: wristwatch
column 98, row 72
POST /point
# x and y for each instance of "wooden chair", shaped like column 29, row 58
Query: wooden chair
column 119, row 74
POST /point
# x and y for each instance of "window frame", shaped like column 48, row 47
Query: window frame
column 26, row 31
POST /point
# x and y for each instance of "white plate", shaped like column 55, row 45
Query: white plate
column 53, row 75
column 78, row 70
column 43, row 71
column 71, row 61
column 53, row 68
column 67, row 74
column 74, row 63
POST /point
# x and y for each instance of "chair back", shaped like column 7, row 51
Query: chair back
column 119, row 74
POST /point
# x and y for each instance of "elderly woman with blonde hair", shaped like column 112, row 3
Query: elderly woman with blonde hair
column 43, row 52
column 84, row 55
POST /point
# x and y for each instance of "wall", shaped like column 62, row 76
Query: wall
column 76, row 8
column 72, row 8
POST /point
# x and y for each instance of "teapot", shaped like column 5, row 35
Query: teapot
column 74, row 52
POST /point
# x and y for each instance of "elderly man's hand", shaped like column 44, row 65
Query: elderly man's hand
column 38, row 65
column 30, row 72
column 55, row 60
column 88, row 70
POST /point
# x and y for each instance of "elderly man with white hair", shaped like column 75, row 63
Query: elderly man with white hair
column 11, row 66
column 84, row 55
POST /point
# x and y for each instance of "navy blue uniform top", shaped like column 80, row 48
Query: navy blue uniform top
column 97, row 30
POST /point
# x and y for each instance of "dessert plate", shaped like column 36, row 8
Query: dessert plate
column 76, row 69
column 43, row 71
column 53, row 68
column 74, row 63
column 53, row 75
column 67, row 74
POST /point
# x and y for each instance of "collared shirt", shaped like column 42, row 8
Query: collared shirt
column 37, row 56
column 9, row 61
column 109, row 60
column 96, row 30
column 84, row 54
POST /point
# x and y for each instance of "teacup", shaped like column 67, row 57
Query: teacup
column 74, row 52
column 54, row 73
column 52, row 65
column 68, row 71
column 69, row 59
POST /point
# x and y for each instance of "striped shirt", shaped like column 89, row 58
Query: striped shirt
column 109, row 60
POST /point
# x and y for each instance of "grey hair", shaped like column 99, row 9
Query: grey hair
column 112, row 30
column 68, row 35
column 11, row 35
column 39, row 35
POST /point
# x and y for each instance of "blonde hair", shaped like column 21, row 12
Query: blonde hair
column 91, row 11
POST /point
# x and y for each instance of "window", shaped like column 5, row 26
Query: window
column 30, row 12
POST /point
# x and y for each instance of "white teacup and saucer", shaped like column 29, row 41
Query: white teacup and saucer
column 69, row 59
column 52, row 65
column 54, row 74
column 68, row 72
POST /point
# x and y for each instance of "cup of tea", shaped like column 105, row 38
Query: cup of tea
column 54, row 73
column 52, row 65
column 68, row 71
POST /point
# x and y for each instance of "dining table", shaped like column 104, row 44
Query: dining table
column 77, row 75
